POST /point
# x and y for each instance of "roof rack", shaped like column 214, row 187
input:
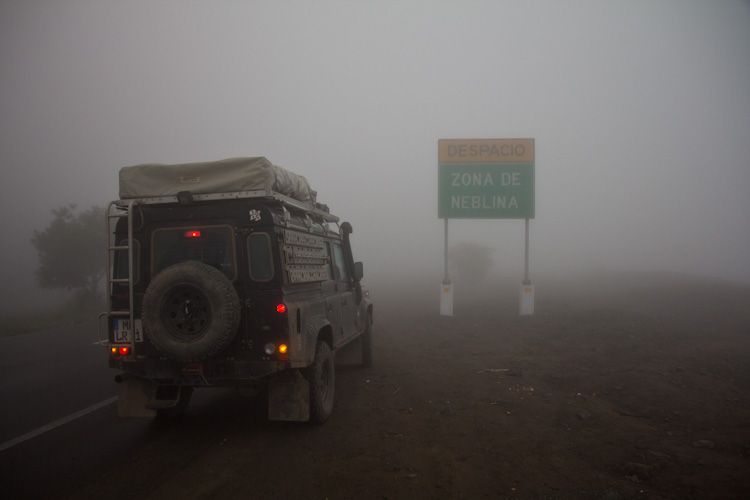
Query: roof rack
column 262, row 194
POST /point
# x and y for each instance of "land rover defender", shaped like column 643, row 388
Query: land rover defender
column 229, row 274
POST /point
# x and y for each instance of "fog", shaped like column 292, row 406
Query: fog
column 640, row 111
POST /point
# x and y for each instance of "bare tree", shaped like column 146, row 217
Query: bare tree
column 471, row 261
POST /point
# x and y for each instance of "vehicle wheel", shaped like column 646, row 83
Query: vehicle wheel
column 179, row 408
column 190, row 311
column 322, row 378
column 367, row 356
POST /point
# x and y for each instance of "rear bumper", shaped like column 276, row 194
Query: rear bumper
column 206, row 373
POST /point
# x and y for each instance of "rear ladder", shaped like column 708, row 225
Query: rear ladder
column 121, row 210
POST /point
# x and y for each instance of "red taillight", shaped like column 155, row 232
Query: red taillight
column 192, row 234
column 281, row 308
column 120, row 350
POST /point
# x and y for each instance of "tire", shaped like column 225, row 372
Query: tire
column 367, row 356
column 190, row 311
column 322, row 378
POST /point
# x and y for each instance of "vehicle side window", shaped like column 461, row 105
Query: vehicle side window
column 329, row 263
column 261, row 260
column 340, row 264
column 120, row 270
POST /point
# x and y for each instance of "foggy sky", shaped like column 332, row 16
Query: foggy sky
column 640, row 111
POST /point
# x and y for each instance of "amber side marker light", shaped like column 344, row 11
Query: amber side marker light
column 283, row 353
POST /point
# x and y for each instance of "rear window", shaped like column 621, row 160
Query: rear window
column 212, row 245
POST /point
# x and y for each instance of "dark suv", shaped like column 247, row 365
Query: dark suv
column 213, row 287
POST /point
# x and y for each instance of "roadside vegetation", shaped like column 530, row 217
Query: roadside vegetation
column 71, row 260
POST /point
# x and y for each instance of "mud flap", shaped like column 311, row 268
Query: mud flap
column 289, row 399
column 134, row 395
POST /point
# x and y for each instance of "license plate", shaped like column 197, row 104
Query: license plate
column 125, row 330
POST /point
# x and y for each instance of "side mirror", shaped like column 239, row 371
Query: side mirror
column 358, row 271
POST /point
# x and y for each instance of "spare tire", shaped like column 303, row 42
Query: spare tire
column 190, row 311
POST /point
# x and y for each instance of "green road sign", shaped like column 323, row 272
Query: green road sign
column 486, row 191
column 486, row 178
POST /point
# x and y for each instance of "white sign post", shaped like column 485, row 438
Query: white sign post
column 526, row 301
column 446, row 289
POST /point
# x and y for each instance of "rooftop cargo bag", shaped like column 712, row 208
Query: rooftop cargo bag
column 223, row 176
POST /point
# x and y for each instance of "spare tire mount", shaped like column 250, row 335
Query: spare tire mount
column 190, row 311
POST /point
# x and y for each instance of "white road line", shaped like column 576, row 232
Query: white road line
column 56, row 423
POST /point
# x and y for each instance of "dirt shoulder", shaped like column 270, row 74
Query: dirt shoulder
column 629, row 389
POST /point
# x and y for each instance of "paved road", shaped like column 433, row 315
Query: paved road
column 57, row 410
column 48, row 375
column 59, row 428
column 60, row 433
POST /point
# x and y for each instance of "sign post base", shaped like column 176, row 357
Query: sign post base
column 446, row 300
column 526, row 300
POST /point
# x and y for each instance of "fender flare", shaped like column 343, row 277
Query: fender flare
column 318, row 327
